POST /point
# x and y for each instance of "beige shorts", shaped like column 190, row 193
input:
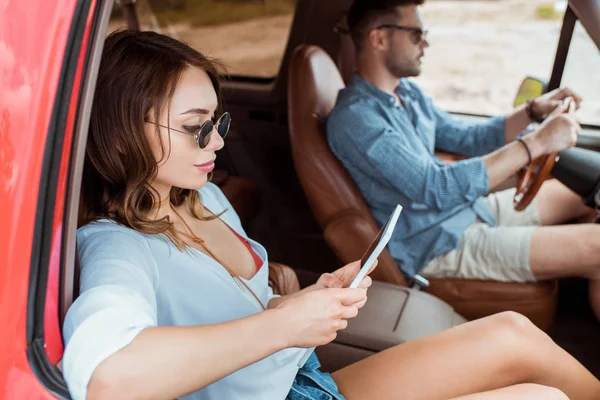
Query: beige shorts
column 498, row 253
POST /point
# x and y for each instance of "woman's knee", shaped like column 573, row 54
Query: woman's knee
column 511, row 322
column 514, row 331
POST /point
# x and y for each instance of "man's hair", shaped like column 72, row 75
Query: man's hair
column 363, row 13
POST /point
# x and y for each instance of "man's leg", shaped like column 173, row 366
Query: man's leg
column 557, row 204
column 568, row 250
column 519, row 250
column 555, row 251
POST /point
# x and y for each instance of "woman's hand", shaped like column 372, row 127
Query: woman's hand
column 343, row 277
column 338, row 279
column 313, row 318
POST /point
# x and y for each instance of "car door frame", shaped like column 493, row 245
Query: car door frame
column 54, row 238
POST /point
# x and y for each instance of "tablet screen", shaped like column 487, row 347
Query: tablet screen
column 373, row 245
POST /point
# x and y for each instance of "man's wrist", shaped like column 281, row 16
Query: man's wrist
column 534, row 146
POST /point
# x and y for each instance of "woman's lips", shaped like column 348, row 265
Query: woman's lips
column 206, row 167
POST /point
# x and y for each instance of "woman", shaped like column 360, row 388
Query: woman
column 174, row 297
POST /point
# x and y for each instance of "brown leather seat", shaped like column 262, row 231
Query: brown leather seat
column 283, row 279
column 341, row 211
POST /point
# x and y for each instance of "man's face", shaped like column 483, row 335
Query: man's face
column 405, row 47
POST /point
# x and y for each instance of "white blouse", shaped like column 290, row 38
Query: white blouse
column 131, row 281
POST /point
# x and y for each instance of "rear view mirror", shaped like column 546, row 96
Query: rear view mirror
column 530, row 88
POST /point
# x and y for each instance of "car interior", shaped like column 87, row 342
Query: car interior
column 296, row 198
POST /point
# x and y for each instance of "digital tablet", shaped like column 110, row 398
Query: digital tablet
column 367, row 260
column 377, row 246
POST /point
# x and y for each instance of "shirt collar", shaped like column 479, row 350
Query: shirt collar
column 371, row 90
column 362, row 84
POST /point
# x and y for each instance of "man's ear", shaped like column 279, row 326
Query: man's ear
column 376, row 40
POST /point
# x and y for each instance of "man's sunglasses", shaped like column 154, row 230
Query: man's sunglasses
column 420, row 34
column 204, row 131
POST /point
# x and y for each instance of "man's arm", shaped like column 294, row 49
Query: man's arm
column 467, row 138
column 507, row 161
column 473, row 139
column 515, row 123
column 481, row 138
column 374, row 148
column 367, row 144
column 541, row 107
column 558, row 132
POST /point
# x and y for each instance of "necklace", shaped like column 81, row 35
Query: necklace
column 162, row 203
column 194, row 238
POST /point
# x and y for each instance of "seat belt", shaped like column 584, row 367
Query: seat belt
column 418, row 282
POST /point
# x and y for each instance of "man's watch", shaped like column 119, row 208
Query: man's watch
column 529, row 104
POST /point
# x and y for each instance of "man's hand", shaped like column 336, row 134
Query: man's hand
column 558, row 132
column 546, row 103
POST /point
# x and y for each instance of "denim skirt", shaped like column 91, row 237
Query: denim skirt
column 312, row 384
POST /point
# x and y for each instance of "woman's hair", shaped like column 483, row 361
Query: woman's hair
column 138, row 75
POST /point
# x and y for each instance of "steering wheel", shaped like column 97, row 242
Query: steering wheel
column 530, row 179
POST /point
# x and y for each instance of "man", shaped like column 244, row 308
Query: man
column 384, row 130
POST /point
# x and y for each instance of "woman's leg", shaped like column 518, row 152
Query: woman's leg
column 491, row 353
column 524, row 391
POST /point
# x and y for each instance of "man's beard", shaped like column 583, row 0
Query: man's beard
column 401, row 69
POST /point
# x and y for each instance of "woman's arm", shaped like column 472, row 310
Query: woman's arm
column 169, row 362
column 114, row 348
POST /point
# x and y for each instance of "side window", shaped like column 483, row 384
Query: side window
column 581, row 74
column 248, row 37
column 481, row 50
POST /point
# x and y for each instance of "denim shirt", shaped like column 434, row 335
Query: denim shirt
column 388, row 149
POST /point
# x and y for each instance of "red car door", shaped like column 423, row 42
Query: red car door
column 44, row 50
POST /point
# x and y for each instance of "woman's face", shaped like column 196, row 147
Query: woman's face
column 186, row 165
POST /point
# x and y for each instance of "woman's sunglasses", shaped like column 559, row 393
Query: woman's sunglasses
column 203, row 133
